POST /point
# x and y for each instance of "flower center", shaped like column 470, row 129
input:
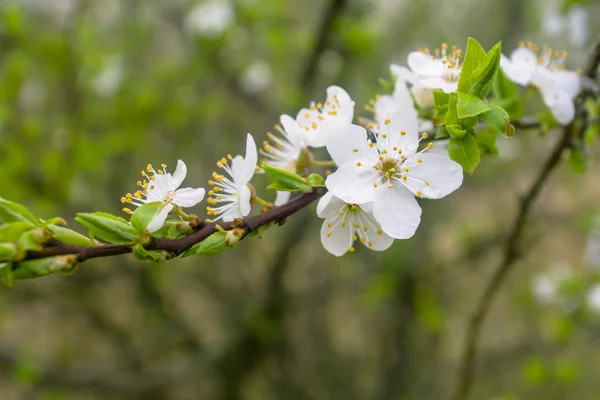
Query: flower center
column 449, row 59
column 548, row 58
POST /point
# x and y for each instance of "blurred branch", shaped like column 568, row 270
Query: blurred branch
column 511, row 249
column 336, row 7
column 176, row 246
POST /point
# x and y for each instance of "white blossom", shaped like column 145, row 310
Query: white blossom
column 233, row 192
column 428, row 70
column 546, row 286
column 338, row 107
column 390, row 172
column 164, row 187
column 346, row 223
column 545, row 71
column 593, row 298
column 257, row 77
column 210, row 19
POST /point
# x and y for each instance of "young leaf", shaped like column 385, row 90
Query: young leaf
column 483, row 76
column 452, row 115
column 12, row 212
column 441, row 132
column 212, row 245
column 32, row 239
column 456, row 131
column 108, row 227
column 498, row 119
column 7, row 274
column 69, row 236
column 7, row 251
column 315, row 180
column 486, row 139
column 469, row 105
column 473, row 57
column 440, row 98
column 33, row 268
column 465, row 152
column 141, row 254
column 143, row 215
column 11, row 232
column 286, row 181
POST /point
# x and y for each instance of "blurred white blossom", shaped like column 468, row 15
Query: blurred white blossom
column 593, row 298
column 257, row 77
column 210, row 19
column 546, row 285
column 109, row 79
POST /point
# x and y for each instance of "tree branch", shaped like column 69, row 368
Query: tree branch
column 335, row 8
column 177, row 246
column 511, row 250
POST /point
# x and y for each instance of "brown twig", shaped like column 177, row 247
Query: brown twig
column 177, row 246
column 511, row 251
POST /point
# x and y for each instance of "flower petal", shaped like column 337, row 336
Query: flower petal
column 375, row 239
column 237, row 169
column 397, row 211
column 178, row 175
column 443, row 175
column 343, row 139
column 294, row 135
column 353, row 184
column 159, row 219
column 188, row 197
column 521, row 66
column 423, row 65
column 250, row 160
column 281, row 198
column 336, row 240
column 345, row 105
column 401, row 122
column 440, row 83
column 245, row 196
column 329, row 206
column 404, row 74
column 561, row 105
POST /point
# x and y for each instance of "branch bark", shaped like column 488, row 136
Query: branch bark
column 511, row 250
column 177, row 246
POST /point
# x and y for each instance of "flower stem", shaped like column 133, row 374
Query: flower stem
column 324, row 163
column 262, row 202
column 181, row 213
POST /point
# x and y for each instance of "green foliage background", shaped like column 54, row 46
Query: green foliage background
column 278, row 318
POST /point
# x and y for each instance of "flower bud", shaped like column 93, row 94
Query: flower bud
column 235, row 235
column 62, row 263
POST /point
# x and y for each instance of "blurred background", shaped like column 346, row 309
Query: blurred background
column 93, row 90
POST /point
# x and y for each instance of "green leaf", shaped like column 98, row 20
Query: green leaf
column 465, row 152
column 7, row 251
column 142, row 216
column 141, row 254
column 452, row 114
column 12, row 212
column 7, row 274
column 32, row 240
column 578, row 161
column 11, row 232
column 456, row 131
column 212, row 245
column 315, row 180
column 285, row 181
column 440, row 98
column 534, row 371
column 483, row 76
column 69, row 236
column 498, row 119
column 107, row 227
column 441, row 132
column 469, row 105
column 547, row 122
column 506, row 95
column 385, row 84
column 486, row 139
column 440, row 115
column 33, row 268
column 473, row 57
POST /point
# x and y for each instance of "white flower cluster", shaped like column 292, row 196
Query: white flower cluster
column 545, row 71
column 383, row 165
